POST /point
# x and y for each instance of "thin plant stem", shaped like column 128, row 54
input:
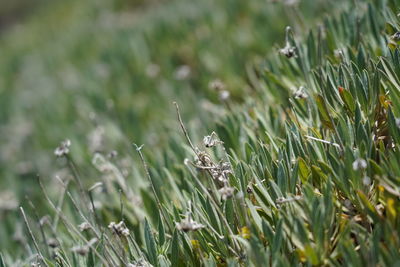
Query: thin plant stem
column 32, row 236
column 146, row 169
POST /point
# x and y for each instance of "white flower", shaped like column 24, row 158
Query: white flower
column 224, row 95
column 359, row 164
column 63, row 148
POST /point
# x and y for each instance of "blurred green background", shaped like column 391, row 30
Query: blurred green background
column 104, row 74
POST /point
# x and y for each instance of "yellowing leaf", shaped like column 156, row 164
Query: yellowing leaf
column 391, row 209
column 304, row 170
column 245, row 232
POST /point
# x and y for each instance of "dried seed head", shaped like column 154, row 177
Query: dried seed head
column 300, row 93
column 289, row 51
column 112, row 154
column 81, row 250
column 249, row 190
column 63, row 148
column 395, row 37
column 53, row 243
column 84, row 250
column 216, row 85
column 211, row 140
column 221, row 171
column 119, row 229
column 101, row 163
column 359, row 164
column 188, row 225
column 84, row 226
column 203, row 159
column 44, row 220
column 226, row 192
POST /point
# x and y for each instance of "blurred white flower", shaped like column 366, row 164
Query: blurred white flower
column 217, row 85
column 84, row 250
column 224, row 95
column 366, row 181
column 338, row 53
column 398, row 122
column 359, row 164
column 96, row 139
column 8, row 200
column 226, row 192
column 152, row 70
column 63, row 148
column 182, row 72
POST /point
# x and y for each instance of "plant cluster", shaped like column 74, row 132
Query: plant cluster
column 304, row 171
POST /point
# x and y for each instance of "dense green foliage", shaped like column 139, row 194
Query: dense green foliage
column 302, row 167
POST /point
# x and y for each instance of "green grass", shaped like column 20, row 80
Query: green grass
column 310, row 143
